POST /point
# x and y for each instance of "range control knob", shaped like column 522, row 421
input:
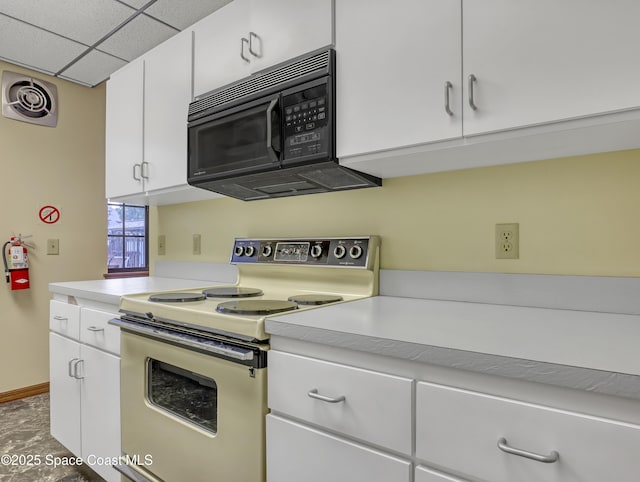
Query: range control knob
column 339, row 251
column 266, row 251
column 316, row 251
column 249, row 250
column 239, row 250
column 355, row 252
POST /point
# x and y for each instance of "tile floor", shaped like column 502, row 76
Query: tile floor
column 24, row 432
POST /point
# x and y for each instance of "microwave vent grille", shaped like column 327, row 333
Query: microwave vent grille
column 263, row 82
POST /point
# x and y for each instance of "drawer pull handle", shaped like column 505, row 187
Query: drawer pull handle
column 94, row 328
column 547, row 459
column 314, row 394
column 60, row 318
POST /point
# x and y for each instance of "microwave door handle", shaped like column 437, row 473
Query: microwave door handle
column 273, row 153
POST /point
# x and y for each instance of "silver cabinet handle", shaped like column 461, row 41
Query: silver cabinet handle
column 143, row 171
column 314, row 394
column 547, row 459
column 472, row 101
column 94, row 328
column 70, row 370
column 137, row 178
column 75, row 369
column 253, row 35
column 244, row 41
column 60, row 318
column 447, row 89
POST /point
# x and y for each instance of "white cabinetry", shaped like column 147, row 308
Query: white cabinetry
column 146, row 126
column 461, row 430
column 247, row 36
column 85, row 383
column 345, row 402
column 541, row 61
column 396, row 63
column 296, row 452
column 546, row 79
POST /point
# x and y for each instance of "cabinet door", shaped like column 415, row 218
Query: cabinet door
column 95, row 330
column 64, row 392
column 393, row 61
column 538, row 61
column 64, row 318
column 101, row 408
column 284, row 29
column 218, row 47
column 167, row 94
column 298, row 453
column 460, row 430
column 423, row 474
column 123, row 143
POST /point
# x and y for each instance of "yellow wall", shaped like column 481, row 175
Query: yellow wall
column 577, row 216
column 64, row 167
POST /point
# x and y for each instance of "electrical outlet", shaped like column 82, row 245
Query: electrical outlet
column 196, row 244
column 162, row 245
column 53, row 246
column 508, row 241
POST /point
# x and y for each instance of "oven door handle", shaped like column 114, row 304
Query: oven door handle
column 133, row 472
column 273, row 153
column 215, row 348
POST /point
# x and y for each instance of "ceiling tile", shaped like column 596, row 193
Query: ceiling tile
column 183, row 13
column 135, row 38
column 81, row 20
column 93, row 68
column 29, row 46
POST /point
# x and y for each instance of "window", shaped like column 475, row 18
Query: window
column 127, row 233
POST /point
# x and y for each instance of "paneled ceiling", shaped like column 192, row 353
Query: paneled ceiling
column 84, row 41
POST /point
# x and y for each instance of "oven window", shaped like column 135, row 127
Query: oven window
column 185, row 394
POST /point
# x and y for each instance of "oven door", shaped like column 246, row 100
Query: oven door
column 241, row 140
column 188, row 415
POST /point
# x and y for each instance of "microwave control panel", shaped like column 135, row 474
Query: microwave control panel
column 306, row 123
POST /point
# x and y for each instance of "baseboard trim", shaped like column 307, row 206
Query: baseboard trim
column 25, row 392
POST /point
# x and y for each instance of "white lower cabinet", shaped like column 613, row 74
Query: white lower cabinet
column 296, row 453
column 425, row 474
column 503, row 440
column 328, row 417
column 85, row 386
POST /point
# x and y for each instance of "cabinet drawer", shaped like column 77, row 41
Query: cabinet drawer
column 460, row 430
column 298, row 453
column 424, row 474
column 376, row 407
column 64, row 318
column 95, row 330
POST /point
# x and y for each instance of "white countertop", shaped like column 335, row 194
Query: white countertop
column 110, row 290
column 579, row 349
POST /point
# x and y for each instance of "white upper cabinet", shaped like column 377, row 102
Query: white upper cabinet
column 166, row 102
column 247, row 36
column 219, row 47
column 284, row 29
column 146, row 127
column 538, row 61
column 397, row 64
column 124, row 122
column 525, row 80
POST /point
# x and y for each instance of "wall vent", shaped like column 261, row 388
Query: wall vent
column 27, row 99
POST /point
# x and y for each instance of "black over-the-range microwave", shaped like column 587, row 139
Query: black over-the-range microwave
column 271, row 135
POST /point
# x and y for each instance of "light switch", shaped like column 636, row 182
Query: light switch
column 53, row 246
column 162, row 245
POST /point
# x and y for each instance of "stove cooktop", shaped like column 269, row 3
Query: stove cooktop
column 275, row 276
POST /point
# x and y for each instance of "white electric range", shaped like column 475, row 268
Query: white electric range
column 193, row 362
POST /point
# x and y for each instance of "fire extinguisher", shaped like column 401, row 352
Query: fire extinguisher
column 16, row 263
